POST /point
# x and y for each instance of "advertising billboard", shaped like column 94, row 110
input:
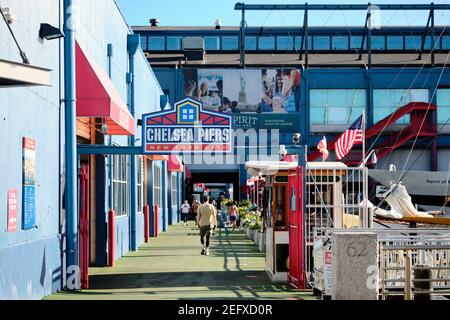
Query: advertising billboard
column 244, row 90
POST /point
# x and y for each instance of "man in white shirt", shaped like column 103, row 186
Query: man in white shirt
column 185, row 208
column 207, row 221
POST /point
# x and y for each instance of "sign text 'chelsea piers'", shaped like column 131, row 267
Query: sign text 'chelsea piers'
column 187, row 128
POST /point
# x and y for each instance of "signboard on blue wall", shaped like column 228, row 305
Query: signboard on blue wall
column 282, row 122
column 187, row 128
column 29, row 184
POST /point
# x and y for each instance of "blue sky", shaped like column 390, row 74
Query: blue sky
column 205, row 12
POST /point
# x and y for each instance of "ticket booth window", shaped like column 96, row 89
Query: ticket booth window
column 280, row 206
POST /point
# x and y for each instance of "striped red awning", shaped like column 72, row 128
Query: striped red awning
column 174, row 164
column 97, row 96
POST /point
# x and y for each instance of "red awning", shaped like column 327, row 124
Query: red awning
column 97, row 97
column 159, row 157
column 175, row 164
column 187, row 172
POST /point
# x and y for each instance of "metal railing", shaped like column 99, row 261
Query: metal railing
column 333, row 199
column 415, row 265
column 412, row 263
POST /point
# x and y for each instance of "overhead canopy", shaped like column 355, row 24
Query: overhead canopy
column 187, row 172
column 272, row 167
column 268, row 167
column 97, row 96
column 174, row 164
column 14, row 74
column 160, row 157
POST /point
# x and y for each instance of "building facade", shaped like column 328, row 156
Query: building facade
column 334, row 77
column 111, row 66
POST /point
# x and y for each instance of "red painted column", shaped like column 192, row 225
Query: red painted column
column 111, row 238
column 156, row 221
column 146, row 222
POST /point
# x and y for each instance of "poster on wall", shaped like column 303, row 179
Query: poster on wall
column 29, row 184
column 12, row 210
column 244, row 90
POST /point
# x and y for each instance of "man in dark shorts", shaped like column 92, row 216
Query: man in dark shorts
column 195, row 205
column 207, row 221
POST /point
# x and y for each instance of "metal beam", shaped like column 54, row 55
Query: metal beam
column 305, row 37
column 346, row 7
column 102, row 149
column 242, row 41
column 427, row 30
column 364, row 36
column 432, row 34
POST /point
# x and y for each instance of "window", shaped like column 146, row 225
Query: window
column 285, row 43
column 144, row 43
column 250, row 43
column 120, row 190
column 336, row 106
column 212, row 43
column 174, row 181
column 443, row 102
column 321, row 43
column 140, row 183
column 174, row 43
column 386, row 101
column 428, row 42
column 156, row 43
column 445, row 43
column 230, row 43
column 157, row 185
column 378, row 43
column 355, row 42
column 395, row 43
column 339, row 43
column 298, row 42
column 266, row 43
column 413, row 42
column 187, row 114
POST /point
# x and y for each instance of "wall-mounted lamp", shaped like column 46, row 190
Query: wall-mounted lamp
column 9, row 17
column 50, row 32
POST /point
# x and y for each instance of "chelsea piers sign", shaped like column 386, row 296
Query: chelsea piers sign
column 187, row 128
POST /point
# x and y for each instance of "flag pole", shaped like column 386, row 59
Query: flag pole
column 323, row 156
column 364, row 136
column 366, row 218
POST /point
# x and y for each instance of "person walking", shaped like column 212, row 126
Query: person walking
column 233, row 212
column 207, row 221
column 185, row 209
column 195, row 206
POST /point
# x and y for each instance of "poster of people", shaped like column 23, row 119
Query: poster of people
column 244, row 90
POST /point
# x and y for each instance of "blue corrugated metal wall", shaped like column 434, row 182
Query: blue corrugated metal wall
column 30, row 261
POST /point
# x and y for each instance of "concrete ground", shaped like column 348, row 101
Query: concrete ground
column 171, row 267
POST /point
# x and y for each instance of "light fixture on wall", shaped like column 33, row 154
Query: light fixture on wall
column 9, row 17
column 50, row 32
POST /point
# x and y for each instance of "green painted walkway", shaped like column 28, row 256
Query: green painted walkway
column 171, row 267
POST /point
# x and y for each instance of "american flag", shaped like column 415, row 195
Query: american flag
column 351, row 136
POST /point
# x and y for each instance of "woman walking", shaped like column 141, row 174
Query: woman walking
column 233, row 213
